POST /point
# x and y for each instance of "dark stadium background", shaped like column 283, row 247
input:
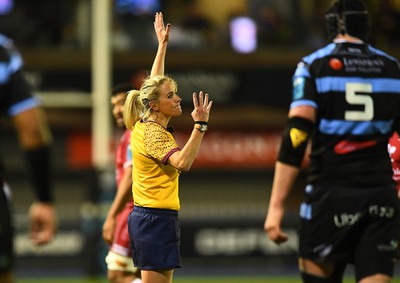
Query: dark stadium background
column 224, row 197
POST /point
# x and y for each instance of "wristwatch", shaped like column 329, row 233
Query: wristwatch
column 201, row 126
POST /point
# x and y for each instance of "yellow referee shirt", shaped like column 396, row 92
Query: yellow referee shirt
column 155, row 184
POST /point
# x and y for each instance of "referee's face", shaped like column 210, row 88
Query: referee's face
column 169, row 103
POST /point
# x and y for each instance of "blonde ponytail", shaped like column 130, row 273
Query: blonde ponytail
column 133, row 108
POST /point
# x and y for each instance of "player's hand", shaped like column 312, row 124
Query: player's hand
column 162, row 31
column 276, row 235
column 108, row 230
column 272, row 226
column 43, row 223
column 202, row 107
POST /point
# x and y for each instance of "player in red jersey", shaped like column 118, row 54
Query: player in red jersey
column 119, row 264
column 394, row 153
column 115, row 233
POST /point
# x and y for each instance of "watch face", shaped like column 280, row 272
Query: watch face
column 201, row 127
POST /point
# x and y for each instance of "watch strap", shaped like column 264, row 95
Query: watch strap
column 201, row 122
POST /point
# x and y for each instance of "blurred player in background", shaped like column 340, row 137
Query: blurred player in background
column 18, row 103
column 346, row 99
column 394, row 153
column 115, row 229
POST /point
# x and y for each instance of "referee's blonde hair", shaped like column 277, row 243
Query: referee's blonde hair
column 137, row 105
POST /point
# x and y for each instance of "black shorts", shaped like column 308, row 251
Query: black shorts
column 155, row 238
column 6, row 232
column 351, row 225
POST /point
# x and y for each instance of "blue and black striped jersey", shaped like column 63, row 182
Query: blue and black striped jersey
column 15, row 93
column 355, row 89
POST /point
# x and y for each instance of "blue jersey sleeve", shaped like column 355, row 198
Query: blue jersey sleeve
column 15, row 93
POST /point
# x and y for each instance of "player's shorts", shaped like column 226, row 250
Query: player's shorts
column 351, row 225
column 120, row 262
column 121, row 242
column 6, row 230
column 156, row 238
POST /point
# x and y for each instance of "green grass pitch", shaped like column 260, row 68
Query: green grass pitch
column 198, row 279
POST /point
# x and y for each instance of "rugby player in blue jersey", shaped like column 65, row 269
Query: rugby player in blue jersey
column 346, row 103
column 18, row 103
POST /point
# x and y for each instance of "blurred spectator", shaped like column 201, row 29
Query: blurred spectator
column 38, row 23
column 133, row 25
column 286, row 23
column 316, row 33
column 272, row 30
column 120, row 39
column 137, row 29
column 196, row 25
column 193, row 30
column 386, row 24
